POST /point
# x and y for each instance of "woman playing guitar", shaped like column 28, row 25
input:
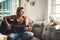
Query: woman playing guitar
column 18, row 19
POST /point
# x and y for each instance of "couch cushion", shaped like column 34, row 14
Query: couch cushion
column 37, row 30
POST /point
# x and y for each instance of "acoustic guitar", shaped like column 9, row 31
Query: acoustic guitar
column 15, row 27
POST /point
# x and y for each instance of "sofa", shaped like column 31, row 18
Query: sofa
column 44, row 32
column 38, row 30
column 51, row 33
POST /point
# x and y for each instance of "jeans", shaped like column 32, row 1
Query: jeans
column 26, row 35
column 13, row 36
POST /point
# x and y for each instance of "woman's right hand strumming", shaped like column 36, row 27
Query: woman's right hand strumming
column 8, row 27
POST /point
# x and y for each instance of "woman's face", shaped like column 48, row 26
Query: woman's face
column 21, row 12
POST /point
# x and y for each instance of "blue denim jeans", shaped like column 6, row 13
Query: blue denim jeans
column 25, row 35
column 14, row 36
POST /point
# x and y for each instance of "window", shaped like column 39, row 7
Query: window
column 6, row 7
column 54, row 8
column 9, row 7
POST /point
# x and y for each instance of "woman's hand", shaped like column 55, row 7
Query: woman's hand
column 8, row 27
column 28, row 28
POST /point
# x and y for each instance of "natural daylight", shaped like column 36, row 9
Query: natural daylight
column 29, row 19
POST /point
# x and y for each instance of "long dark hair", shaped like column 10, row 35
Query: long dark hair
column 18, row 9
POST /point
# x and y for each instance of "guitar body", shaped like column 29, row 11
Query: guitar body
column 4, row 29
column 19, row 28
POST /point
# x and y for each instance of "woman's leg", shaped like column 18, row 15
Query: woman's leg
column 27, row 35
column 13, row 36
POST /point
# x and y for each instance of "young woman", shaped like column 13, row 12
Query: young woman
column 18, row 19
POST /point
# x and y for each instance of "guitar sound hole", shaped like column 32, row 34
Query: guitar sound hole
column 11, row 19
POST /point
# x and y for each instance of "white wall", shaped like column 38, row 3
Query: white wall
column 38, row 11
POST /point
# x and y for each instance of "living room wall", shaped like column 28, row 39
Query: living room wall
column 36, row 12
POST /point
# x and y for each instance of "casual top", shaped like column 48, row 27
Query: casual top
column 14, row 22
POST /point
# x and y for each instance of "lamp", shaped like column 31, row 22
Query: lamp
column 26, row 1
column 31, row 2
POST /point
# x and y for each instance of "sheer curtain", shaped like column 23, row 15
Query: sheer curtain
column 54, row 8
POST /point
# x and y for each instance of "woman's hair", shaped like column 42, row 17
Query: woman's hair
column 18, row 9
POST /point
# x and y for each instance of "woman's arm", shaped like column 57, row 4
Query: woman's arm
column 28, row 22
column 6, row 22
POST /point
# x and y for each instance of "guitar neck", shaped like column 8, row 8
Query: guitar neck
column 20, row 25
